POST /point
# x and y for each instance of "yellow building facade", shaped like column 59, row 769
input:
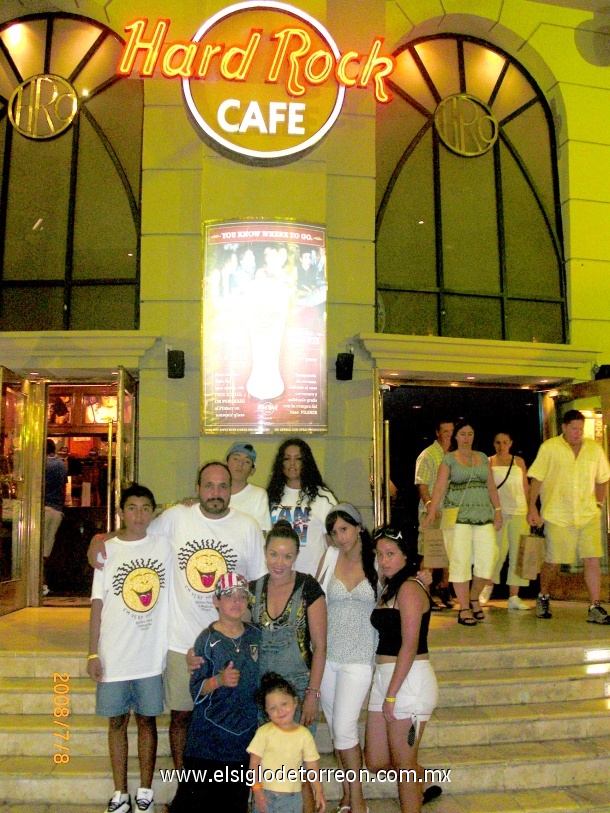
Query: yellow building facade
column 563, row 46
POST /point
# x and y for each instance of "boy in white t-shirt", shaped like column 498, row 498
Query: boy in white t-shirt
column 128, row 642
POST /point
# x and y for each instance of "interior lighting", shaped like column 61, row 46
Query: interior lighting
column 596, row 655
column 598, row 669
column 544, row 380
column 471, row 378
column 15, row 34
column 85, row 92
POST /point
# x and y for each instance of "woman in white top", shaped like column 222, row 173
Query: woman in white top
column 298, row 494
column 510, row 476
column 348, row 576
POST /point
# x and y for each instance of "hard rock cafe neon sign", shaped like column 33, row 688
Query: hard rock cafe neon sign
column 262, row 81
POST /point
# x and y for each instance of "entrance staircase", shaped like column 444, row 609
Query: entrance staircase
column 521, row 727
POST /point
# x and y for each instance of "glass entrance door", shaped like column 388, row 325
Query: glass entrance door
column 13, row 577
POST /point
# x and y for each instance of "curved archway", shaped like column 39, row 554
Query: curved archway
column 69, row 195
column 469, row 234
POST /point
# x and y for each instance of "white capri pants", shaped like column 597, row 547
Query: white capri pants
column 416, row 698
column 468, row 544
column 343, row 691
column 508, row 538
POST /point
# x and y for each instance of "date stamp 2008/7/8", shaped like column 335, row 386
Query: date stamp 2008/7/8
column 61, row 714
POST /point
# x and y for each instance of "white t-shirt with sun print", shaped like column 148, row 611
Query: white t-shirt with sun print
column 134, row 587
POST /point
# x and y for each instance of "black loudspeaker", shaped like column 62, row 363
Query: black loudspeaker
column 603, row 372
column 175, row 364
column 344, row 366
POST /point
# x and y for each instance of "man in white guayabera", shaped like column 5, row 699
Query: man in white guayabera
column 570, row 474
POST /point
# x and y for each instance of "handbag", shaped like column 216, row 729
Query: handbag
column 450, row 513
column 530, row 556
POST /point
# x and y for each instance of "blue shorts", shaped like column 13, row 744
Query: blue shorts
column 143, row 695
column 283, row 802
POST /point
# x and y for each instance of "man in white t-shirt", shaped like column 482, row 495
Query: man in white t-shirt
column 247, row 498
column 207, row 539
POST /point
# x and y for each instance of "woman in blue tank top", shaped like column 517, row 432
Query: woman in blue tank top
column 404, row 692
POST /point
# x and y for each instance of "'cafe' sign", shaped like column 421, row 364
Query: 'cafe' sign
column 263, row 81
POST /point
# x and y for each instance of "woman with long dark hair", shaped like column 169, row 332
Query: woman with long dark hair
column 404, row 692
column 348, row 576
column 298, row 494
column 466, row 484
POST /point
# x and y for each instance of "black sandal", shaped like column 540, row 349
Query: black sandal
column 467, row 622
column 478, row 614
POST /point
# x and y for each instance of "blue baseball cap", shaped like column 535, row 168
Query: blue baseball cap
column 246, row 448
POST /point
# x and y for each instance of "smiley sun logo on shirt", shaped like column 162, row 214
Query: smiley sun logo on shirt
column 204, row 562
column 139, row 582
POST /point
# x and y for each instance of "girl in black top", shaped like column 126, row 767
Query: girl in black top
column 404, row 691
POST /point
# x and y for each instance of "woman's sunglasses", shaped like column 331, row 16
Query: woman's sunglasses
column 386, row 532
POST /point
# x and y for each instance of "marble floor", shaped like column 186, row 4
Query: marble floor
column 65, row 629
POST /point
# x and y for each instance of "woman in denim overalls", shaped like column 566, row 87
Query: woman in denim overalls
column 290, row 610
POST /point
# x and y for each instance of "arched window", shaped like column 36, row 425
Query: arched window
column 70, row 174
column 469, row 239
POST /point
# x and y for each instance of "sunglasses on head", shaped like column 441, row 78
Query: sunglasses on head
column 386, row 532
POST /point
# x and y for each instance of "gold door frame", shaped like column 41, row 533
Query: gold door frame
column 380, row 475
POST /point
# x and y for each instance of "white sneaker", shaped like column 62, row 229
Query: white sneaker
column 119, row 803
column 486, row 594
column 515, row 603
column 144, row 800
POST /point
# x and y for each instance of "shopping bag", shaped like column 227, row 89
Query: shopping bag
column 530, row 556
column 449, row 518
column 435, row 554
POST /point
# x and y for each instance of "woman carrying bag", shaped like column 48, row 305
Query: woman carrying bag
column 465, row 482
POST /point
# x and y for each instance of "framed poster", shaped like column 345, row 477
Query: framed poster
column 264, row 327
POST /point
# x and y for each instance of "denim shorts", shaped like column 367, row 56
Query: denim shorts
column 143, row 695
column 283, row 802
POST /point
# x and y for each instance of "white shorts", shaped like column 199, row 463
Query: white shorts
column 416, row 698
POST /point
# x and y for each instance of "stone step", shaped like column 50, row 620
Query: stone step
column 468, row 657
column 483, row 687
column 33, row 734
column 472, row 651
column 584, row 799
column 509, row 767
column 488, row 687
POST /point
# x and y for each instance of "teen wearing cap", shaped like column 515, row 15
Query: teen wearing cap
column 225, row 716
column 404, row 692
column 245, row 497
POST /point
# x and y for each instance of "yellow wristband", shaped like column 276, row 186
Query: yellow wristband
column 91, row 657
column 391, row 699
column 497, row 509
column 257, row 786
